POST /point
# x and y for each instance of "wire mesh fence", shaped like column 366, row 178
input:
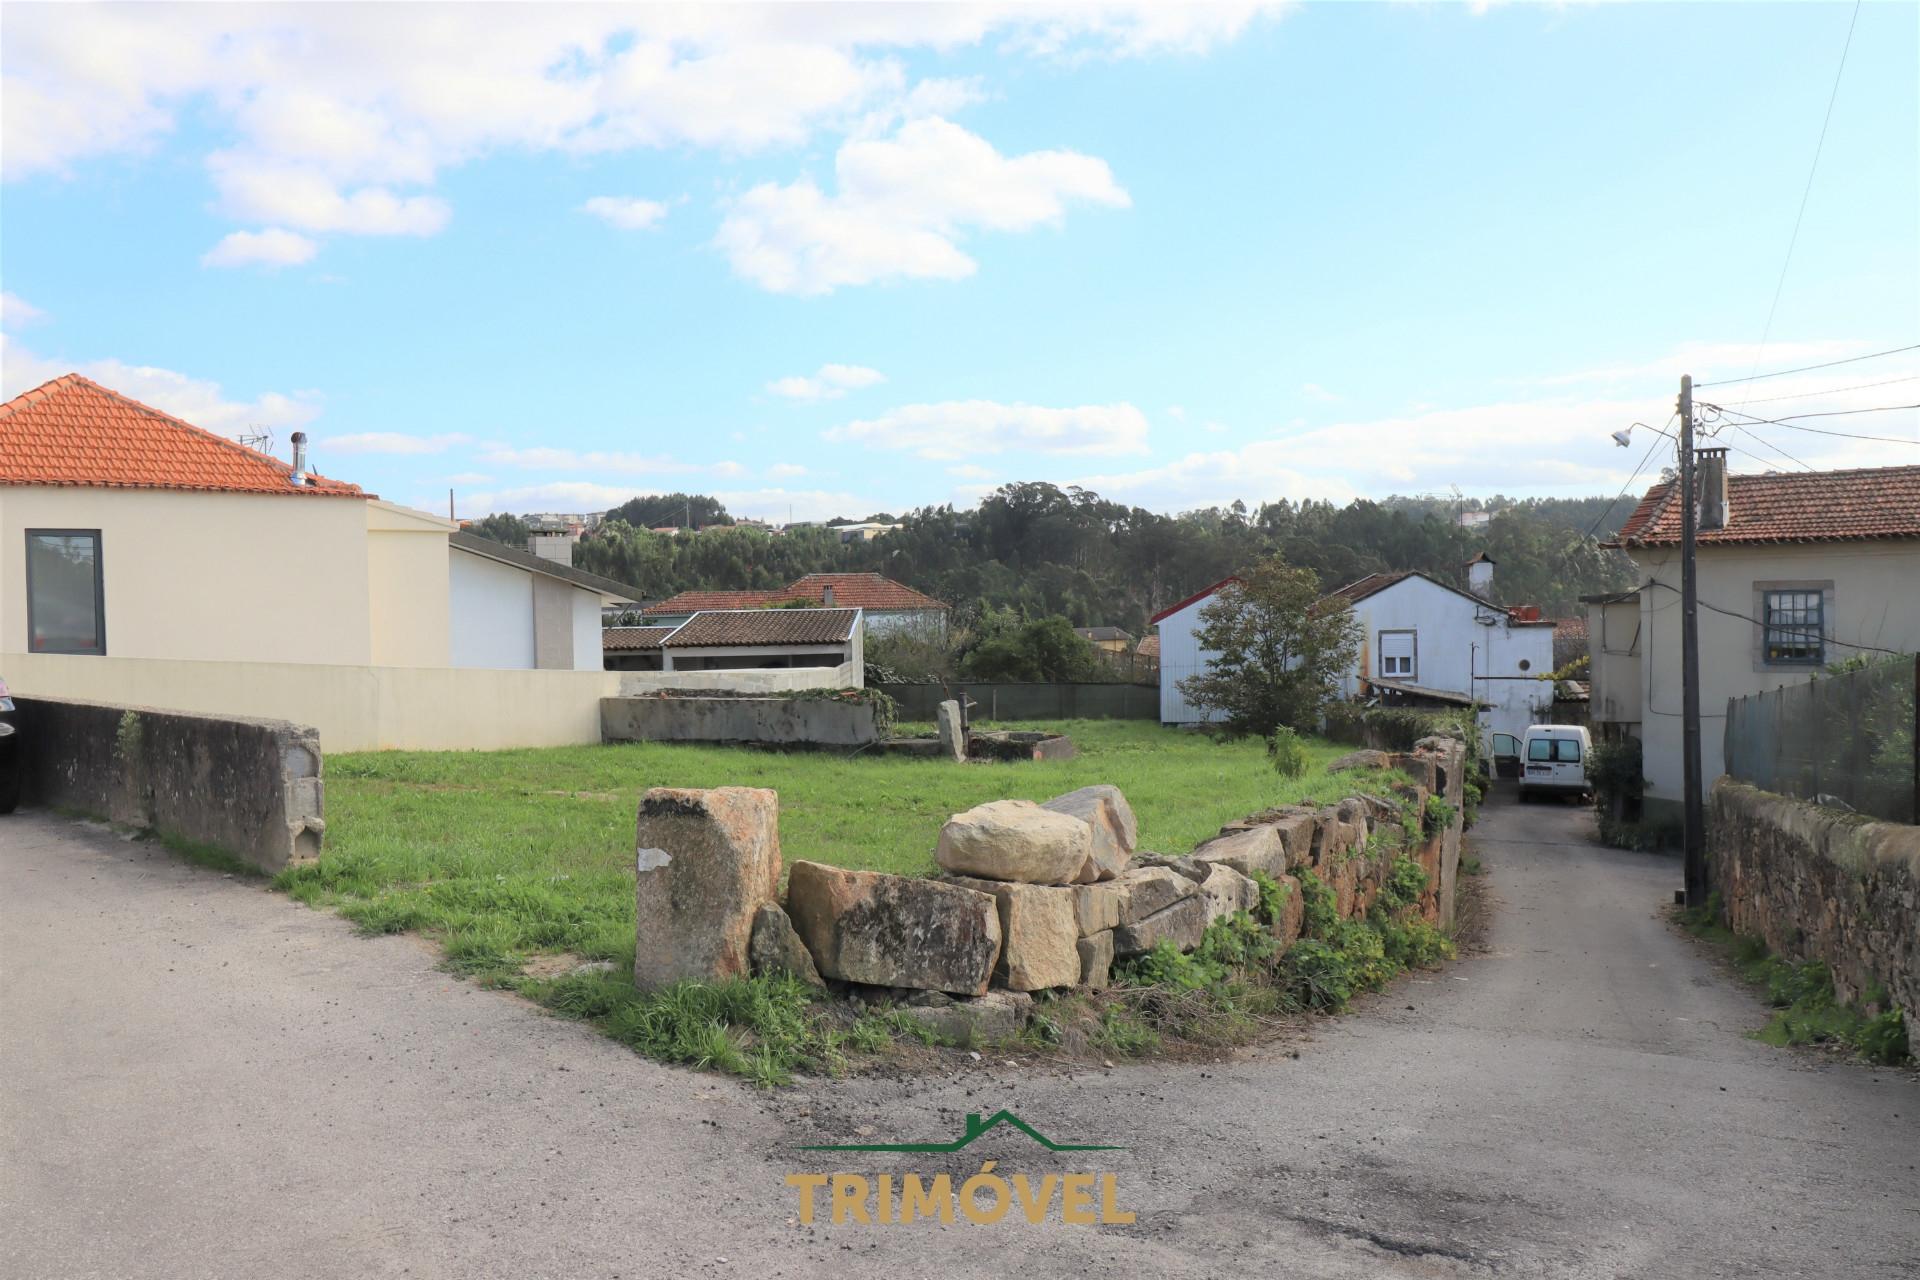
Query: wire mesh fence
column 1848, row 738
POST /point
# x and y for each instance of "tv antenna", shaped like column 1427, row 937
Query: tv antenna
column 258, row 437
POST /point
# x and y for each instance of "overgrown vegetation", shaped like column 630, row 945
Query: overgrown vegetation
column 1807, row 1011
column 1615, row 772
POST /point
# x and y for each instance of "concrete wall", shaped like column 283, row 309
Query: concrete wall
column 1032, row 701
column 1613, row 631
column 818, row 722
column 251, row 788
column 492, row 613
column 1872, row 601
column 587, row 654
column 759, row 680
column 355, row 708
column 407, row 600
column 553, row 623
column 1818, row 884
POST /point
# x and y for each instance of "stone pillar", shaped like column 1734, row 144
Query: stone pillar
column 705, row 862
column 953, row 736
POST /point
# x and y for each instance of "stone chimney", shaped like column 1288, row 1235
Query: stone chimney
column 826, row 596
column 1711, row 467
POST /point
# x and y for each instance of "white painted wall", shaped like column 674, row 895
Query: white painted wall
column 490, row 613
column 588, row 654
column 1613, row 637
column 1462, row 647
column 1874, row 600
column 1180, row 657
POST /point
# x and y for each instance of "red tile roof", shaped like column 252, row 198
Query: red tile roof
column 764, row 627
column 694, row 601
column 1819, row 506
column 867, row 591
column 1149, row 647
column 73, row 431
column 1372, row 584
column 632, row 639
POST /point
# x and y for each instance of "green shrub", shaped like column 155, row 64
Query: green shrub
column 1287, row 753
column 1319, row 906
column 1272, row 907
column 1438, row 815
column 1405, row 883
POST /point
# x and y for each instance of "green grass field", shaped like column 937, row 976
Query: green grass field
column 507, row 854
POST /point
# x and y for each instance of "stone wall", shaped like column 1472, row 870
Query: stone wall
column 1819, row 884
column 251, row 788
column 811, row 721
column 1037, row 897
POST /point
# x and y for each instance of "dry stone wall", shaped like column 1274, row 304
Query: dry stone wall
column 1818, row 884
column 1032, row 897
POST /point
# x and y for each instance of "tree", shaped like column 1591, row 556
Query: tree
column 1046, row 649
column 502, row 527
column 1282, row 651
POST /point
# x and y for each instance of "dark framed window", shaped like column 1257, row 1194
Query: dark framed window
column 1794, row 628
column 66, row 607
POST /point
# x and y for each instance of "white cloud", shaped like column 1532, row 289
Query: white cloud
column 628, row 213
column 394, row 442
column 200, row 401
column 902, row 206
column 273, row 247
column 957, row 429
column 1314, row 391
column 16, row 311
column 470, row 477
column 830, row 383
column 785, row 471
column 969, row 471
column 548, row 458
column 728, row 470
column 340, row 119
column 1259, row 472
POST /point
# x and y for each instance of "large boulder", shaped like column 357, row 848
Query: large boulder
column 1096, row 961
column 1182, row 924
column 1038, row 930
column 705, row 861
column 1115, row 832
column 1292, row 913
column 895, row 931
column 1259, row 848
column 776, row 948
column 1096, row 907
column 1367, row 759
column 1227, row 891
column 1015, row 840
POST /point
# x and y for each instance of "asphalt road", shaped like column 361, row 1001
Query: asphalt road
column 198, row 1078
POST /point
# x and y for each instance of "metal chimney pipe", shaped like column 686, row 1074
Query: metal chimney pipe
column 826, row 597
column 299, row 475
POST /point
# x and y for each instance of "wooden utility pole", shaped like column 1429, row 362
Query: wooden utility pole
column 1695, row 837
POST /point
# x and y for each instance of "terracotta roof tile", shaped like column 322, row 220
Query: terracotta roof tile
column 764, row 626
column 73, row 431
column 1819, row 506
column 1149, row 647
column 867, row 591
column 694, row 601
column 632, row 639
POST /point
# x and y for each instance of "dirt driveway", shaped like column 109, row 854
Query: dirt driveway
column 198, row 1078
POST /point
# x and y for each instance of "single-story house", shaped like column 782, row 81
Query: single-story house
column 1106, row 639
column 1795, row 570
column 634, row 648
column 1424, row 643
column 143, row 559
column 887, row 605
column 740, row 640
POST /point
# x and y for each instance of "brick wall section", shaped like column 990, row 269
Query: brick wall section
column 251, row 788
column 1821, row 885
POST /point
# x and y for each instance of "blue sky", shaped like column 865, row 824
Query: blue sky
column 832, row 260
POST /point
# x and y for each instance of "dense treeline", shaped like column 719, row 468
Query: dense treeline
column 1039, row 550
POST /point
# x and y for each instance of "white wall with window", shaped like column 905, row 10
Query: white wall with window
column 1771, row 614
column 1398, row 651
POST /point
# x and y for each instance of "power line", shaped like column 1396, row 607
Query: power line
column 1833, row 96
column 1768, row 443
column 1809, row 368
column 1747, row 617
column 1601, row 518
column 1830, row 391
column 1838, row 413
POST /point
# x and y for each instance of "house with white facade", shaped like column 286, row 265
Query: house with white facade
column 1423, row 642
column 144, row 560
column 1795, row 570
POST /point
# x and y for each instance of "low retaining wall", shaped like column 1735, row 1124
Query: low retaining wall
column 1818, row 884
column 1032, row 701
column 796, row 722
column 848, row 675
column 249, row 787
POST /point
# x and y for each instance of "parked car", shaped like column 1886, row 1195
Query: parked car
column 1554, row 761
column 10, row 762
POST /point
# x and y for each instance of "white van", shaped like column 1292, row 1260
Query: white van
column 1553, row 760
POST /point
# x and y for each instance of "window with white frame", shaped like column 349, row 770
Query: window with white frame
column 1398, row 650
